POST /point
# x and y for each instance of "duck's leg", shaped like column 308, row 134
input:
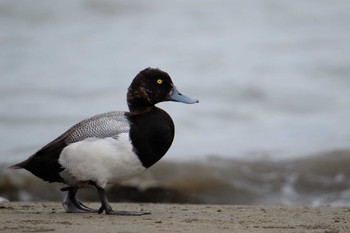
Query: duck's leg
column 72, row 205
column 105, row 206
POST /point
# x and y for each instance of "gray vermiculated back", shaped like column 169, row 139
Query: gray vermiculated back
column 109, row 124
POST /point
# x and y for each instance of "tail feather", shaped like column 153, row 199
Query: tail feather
column 44, row 167
column 16, row 166
column 19, row 165
column 44, row 163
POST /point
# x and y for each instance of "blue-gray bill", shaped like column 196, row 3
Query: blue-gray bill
column 176, row 96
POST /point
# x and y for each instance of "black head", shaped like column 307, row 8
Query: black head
column 148, row 88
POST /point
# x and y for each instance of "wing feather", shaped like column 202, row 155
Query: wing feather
column 44, row 163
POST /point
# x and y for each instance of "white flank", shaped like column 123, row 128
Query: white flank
column 103, row 161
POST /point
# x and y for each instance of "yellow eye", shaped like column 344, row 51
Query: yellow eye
column 159, row 81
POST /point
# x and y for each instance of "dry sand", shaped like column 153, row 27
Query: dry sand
column 50, row 217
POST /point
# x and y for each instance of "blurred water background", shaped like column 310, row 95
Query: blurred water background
column 272, row 77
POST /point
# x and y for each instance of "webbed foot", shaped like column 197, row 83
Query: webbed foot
column 72, row 205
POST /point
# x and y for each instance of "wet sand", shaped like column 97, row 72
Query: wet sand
column 50, row 217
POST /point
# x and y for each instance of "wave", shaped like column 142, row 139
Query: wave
column 317, row 180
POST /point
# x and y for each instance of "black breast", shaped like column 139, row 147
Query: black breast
column 151, row 134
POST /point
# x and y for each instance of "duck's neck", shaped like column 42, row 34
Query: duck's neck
column 134, row 111
column 138, row 105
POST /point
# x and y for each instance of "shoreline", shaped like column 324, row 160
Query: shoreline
column 317, row 181
column 50, row 217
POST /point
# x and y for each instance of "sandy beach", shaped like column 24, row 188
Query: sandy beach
column 50, row 217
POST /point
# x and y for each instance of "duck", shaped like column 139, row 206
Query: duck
column 111, row 147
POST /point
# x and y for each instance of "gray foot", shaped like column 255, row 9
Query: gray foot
column 127, row 213
column 72, row 205
column 105, row 206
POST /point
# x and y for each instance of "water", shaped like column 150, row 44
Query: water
column 322, row 180
column 272, row 76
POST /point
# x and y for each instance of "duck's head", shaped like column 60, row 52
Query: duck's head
column 152, row 86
